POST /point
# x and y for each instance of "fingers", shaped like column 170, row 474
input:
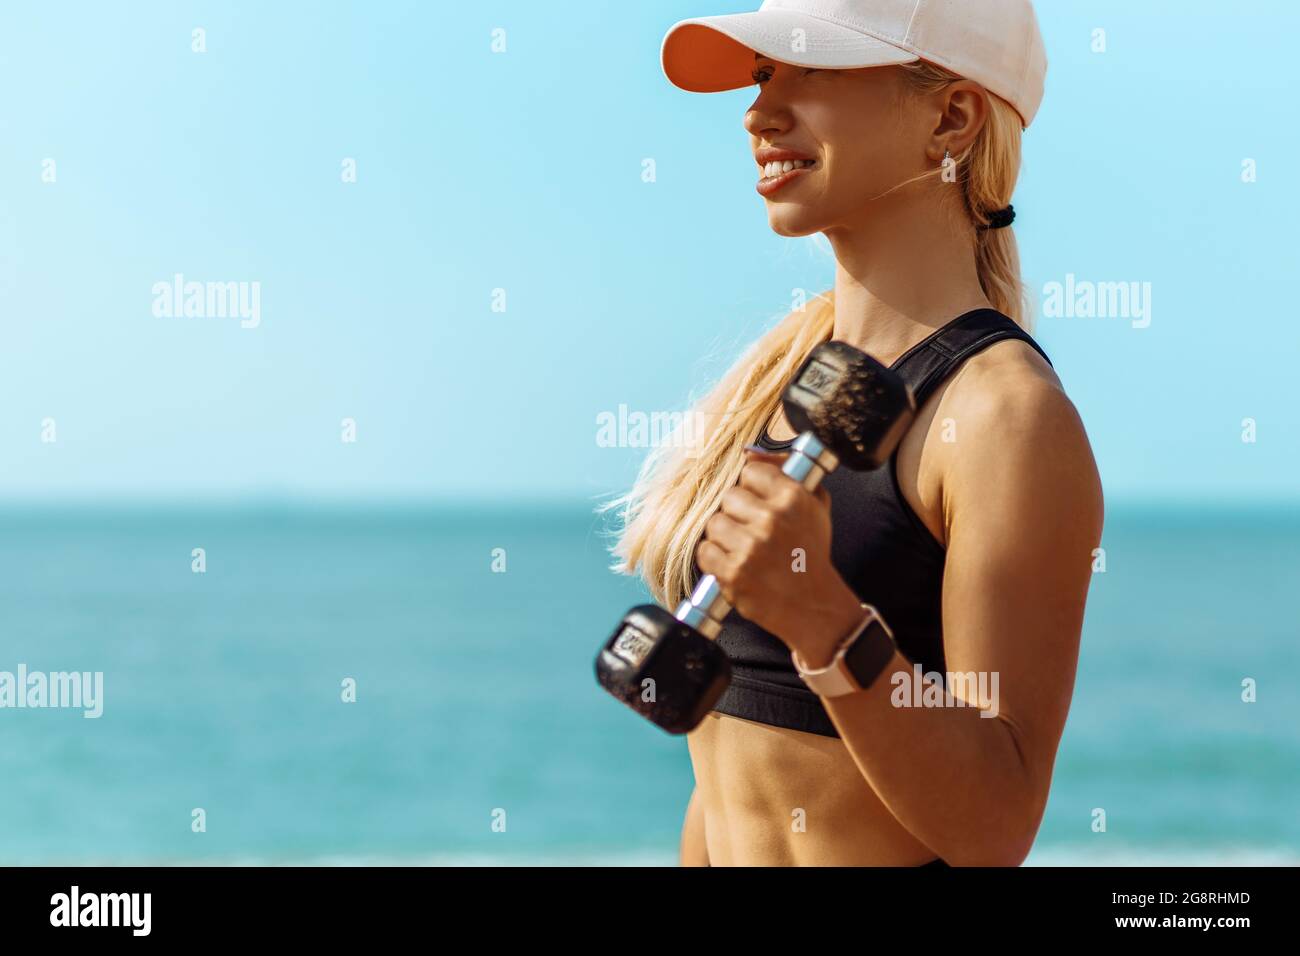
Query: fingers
column 765, row 480
column 726, row 532
column 745, row 506
column 751, row 514
column 759, row 453
column 711, row 559
column 769, row 487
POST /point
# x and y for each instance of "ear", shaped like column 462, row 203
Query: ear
column 963, row 111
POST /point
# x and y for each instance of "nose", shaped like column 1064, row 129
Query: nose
column 766, row 118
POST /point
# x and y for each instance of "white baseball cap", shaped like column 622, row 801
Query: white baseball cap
column 996, row 43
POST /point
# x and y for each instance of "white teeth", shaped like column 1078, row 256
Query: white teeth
column 777, row 169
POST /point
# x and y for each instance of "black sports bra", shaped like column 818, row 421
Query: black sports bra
column 879, row 545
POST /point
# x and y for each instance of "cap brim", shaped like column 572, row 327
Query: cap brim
column 712, row 54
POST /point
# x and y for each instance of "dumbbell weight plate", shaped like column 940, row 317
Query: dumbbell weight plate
column 663, row 669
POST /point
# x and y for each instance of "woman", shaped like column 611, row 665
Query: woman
column 893, row 128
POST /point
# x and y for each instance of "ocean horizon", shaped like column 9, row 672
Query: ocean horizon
column 478, row 735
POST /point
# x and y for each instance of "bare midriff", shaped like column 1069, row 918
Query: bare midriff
column 771, row 796
column 776, row 797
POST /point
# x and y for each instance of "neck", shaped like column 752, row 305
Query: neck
column 897, row 281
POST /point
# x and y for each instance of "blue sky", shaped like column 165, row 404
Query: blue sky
column 521, row 171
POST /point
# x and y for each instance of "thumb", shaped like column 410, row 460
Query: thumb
column 757, row 453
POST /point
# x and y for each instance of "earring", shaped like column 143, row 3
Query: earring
column 947, row 157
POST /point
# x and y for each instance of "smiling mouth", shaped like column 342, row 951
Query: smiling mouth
column 776, row 176
column 778, row 169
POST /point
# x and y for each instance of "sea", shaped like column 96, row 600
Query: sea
column 412, row 684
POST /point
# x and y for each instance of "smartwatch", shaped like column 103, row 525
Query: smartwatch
column 858, row 660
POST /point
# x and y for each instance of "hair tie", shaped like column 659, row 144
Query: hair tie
column 1001, row 219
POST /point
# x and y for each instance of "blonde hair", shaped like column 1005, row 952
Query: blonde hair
column 681, row 484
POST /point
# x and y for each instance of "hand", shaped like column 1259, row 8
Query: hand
column 770, row 549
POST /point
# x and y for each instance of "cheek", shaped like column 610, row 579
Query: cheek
column 860, row 167
column 861, row 145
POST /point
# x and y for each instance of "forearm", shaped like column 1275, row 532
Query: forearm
column 694, row 850
column 955, row 779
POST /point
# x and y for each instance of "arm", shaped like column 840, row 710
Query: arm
column 1022, row 513
column 694, row 851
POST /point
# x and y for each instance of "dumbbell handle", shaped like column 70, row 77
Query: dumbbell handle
column 810, row 461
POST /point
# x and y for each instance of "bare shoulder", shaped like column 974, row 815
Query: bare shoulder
column 1015, row 430
column 1009, row 389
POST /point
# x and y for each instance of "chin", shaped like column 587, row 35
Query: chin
column 793, row 223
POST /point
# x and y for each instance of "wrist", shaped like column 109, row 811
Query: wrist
column 859, row 659
column 835, row 618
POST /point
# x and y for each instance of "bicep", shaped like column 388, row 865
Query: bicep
column 1023, row 514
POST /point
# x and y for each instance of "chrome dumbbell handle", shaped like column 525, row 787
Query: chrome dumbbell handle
column 810, row 461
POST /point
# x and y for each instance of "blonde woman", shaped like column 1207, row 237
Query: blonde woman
column 893, row 128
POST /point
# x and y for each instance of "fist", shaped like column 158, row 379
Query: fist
column 770, row 549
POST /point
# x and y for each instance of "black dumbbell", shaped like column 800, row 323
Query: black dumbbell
column 850, row 410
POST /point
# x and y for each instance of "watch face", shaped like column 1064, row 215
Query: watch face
column 869, row 654
column 857, row 663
